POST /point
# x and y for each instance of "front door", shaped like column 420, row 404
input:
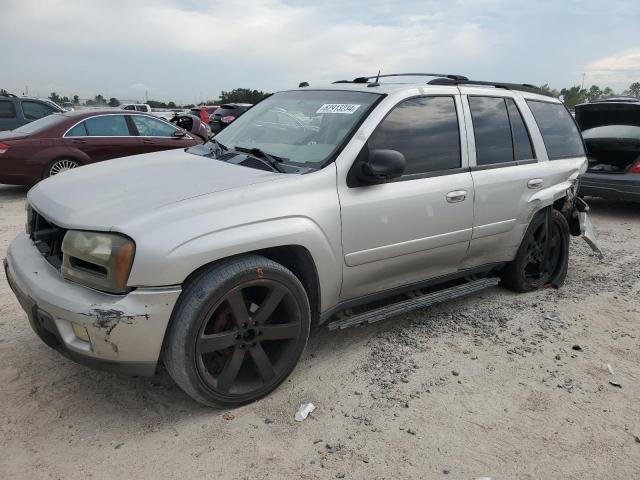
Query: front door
column 156, row 135
column 418, row 226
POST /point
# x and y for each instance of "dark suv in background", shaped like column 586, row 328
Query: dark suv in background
column 611, row 131
column 226, row 114
column 17, row 111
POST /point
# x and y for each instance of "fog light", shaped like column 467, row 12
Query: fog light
column 80, row 332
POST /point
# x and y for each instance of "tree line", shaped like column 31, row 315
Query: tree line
column 571, row 96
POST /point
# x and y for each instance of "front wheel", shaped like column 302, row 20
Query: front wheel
column 543, row 256
column 237, row 331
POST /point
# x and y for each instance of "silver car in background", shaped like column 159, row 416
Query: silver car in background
column 340, row 204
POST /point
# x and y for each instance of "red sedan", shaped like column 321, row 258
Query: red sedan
column 68, row 140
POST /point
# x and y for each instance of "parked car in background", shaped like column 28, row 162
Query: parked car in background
column 611, row 132
column 68, row 106
column 219, row 259
column 16, row 111
column 63, row 141
column 143, row 107
column 226, row 114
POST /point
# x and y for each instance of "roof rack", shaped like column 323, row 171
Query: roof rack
column 523, row 87
column 445, row 75
column 10, row 95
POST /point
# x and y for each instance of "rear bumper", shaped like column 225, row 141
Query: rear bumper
column 613, row 186
column 125, row 331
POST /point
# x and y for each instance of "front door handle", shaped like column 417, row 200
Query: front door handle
column 147, row 141
column 535, row 183
column 78, row 141
column 456, row 196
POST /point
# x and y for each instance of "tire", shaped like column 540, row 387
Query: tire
column 220, row 349
column 528, row 271
column 59, row 166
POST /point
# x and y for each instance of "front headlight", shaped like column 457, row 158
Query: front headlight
column 98, row 260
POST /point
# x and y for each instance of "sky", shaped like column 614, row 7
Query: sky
column 190, row 50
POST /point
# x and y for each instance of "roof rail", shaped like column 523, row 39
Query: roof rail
column 11, row 95
column 523, row 87
column 446, row 75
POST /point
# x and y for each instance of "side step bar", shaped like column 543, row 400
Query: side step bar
column 414, row 303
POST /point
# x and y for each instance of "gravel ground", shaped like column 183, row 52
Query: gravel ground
column 497, row 384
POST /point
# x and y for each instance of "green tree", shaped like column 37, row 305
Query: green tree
column 547, row 89
column 76, row 100
column 54, row 97
column 594, row 93
column 156, row 104
column 171, row 105
column 242, row 95
column 573, row 96
column 607, row 92
column 113, row 102
column 634, row 90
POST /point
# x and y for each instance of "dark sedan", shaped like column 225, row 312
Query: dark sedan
column 226, row 114
column 68, row 140
column 611, row 132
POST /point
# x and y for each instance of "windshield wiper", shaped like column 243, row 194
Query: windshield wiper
column 272, row 160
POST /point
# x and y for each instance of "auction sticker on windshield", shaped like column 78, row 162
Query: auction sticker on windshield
column 348, row 108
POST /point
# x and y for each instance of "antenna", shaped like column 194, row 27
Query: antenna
column 377, row 77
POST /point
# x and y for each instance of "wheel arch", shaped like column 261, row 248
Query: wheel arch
column 296, row 258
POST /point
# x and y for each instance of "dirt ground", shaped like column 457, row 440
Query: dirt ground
column 495, row 385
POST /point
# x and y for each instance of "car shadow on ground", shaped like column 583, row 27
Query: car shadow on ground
column 613, row 209
column 12, row 192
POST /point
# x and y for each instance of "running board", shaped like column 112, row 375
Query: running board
column 414, row 303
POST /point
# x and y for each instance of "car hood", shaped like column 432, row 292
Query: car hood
column 99, row 196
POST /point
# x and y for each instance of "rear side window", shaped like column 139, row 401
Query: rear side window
column 492, row 130
column 129, row 107
column 150, row 127
column 559, row 132
column 522, row 149
column 7, row 110
column 78, row 131
column 425, row 130
column 36, row 110
column 107, row 126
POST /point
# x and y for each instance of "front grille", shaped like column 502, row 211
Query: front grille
column 46, row 236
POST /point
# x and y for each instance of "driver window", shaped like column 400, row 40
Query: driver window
column 425, row 130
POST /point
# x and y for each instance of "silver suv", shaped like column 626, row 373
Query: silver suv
column 336, row 204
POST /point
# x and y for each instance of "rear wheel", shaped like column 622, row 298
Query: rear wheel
column 59, row 166
column 543, row 256
column 237, row 331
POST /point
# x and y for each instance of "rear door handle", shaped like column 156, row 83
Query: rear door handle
column 535, row 183
column 456, row 196
column 146, row 140
column 78, row 141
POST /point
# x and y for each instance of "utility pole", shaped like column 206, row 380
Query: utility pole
column 583, row 75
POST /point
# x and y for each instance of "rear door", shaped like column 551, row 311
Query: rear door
column 156, row 135
column 505, row 174
column 418, row 226
column 103, row 137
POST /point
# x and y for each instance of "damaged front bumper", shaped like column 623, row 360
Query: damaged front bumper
column 110, row 332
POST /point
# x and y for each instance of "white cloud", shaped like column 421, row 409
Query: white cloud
column 617, row 71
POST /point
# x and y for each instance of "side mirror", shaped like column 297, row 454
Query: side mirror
column 382, row 166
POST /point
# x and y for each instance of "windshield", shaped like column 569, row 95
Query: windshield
column 41, row 123
column 303, row 127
